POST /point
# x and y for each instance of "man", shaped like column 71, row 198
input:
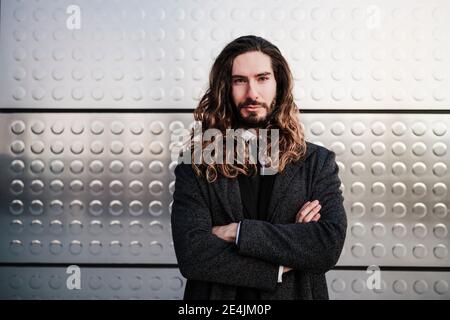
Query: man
column 239, row 234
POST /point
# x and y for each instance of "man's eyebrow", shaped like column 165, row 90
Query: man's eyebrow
column 256, row 76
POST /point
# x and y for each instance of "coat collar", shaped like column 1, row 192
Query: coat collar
column 228, row 193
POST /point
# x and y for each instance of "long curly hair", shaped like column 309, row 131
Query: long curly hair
column 217, row 110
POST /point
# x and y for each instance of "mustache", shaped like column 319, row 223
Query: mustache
column 250, row 102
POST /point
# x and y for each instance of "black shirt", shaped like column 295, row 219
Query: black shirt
column 255, row 194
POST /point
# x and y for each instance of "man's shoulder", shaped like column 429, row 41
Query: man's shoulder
column 317, row 151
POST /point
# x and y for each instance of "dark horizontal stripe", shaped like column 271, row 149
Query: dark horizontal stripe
column 175, row 266
column 91, row 265
column 189, row 111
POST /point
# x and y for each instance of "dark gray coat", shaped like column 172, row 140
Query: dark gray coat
column 215, row 267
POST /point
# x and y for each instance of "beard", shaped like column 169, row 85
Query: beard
column 253, row 119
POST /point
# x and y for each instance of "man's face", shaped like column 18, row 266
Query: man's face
column 253, row 87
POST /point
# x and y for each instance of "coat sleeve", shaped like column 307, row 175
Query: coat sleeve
column 313, row 246
column 203, row 256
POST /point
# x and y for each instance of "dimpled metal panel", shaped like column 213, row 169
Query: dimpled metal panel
column 388, row 54
column 395, row 180
column 353, row 285
column 96, row 283
column 87, row 187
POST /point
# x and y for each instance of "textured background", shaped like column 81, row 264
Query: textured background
column 88, row 118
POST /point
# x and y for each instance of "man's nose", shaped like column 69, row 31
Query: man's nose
column 252, row 93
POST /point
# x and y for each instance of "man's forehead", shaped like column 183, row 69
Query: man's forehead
column 251, row 64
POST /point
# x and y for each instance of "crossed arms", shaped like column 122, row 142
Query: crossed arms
column 208, row 253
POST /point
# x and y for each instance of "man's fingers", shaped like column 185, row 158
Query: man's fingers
column 316, row 217
column 312, row 214
column 306, row 209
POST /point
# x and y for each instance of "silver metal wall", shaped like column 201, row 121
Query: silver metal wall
column 95, row 188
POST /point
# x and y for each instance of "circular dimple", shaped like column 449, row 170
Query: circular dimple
column 95, row 227
column 56, row 207
column 419, row 210
column 155, row 208
column 419, row 189
column 419, row 230
column 75, row 227
column 440, row 189
column 439, row 169
column 117, row 127
column 378, row 209
column 16, row 187
column 96, row 167
column 136, row 187
column 378, row 168
column 56, row 186
column 35, row 247
column 17, row 166
column 419, row 251
column 440, row 251
column 358, row 230
column 398, row 168
column 16, row 226
column 338, row 285
column 36, row 207
column 135, row 248
column 55, row 247
column 358, row 250
column 56, row 227
column 399, row 209
column 57, row 147
column 156, row 248
column 136, row 128
column 18, row 127
column 136, row 148
column 358, row 128
column 399, row 250
column 115, row 208
column 419, row 128
column 96, row 207
column 77, row 147
column 76, row 166
column 358, row 148
column 399, row 230
column 38, row 127
column 440, row 231
column 419, row 168
column 399, row 189
column 136, row 208
column 136, row 227
column 156, row 127
column 155, row 227
column 95, row 247
column 439, row 129
column 378, row 230
column 37, row 186
column 156, row 187
column 378, row 148
column 358, row 188
column 116, row 166
column 358, row 209
column 36, row 226
column 17, row 147
column 75, row 247
column 440, row 149
column 399, row 286
column 97, row 147
column 358, row 286
column 440, row 210
column 358, row 168
column 378, row 189
column 378, row 128
column 56, row 166
column 116, row 147
column 156, row 147
column 136, row 167
column 338, row 148
column 337, row 128
column 115, row 247
column 37, row 166
column 16, row 246
column 420, row 286
column 441, row 287
column 398, row 148
column 156, row 167
column 317, row 128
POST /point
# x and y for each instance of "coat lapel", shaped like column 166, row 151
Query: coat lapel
column 228, row 193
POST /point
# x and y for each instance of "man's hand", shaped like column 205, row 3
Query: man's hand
column 309, row 212
column 226, row 232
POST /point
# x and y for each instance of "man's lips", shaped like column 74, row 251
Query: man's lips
column 252, row 106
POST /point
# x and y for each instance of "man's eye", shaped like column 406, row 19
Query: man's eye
column 264, row 78
column 238, row 80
